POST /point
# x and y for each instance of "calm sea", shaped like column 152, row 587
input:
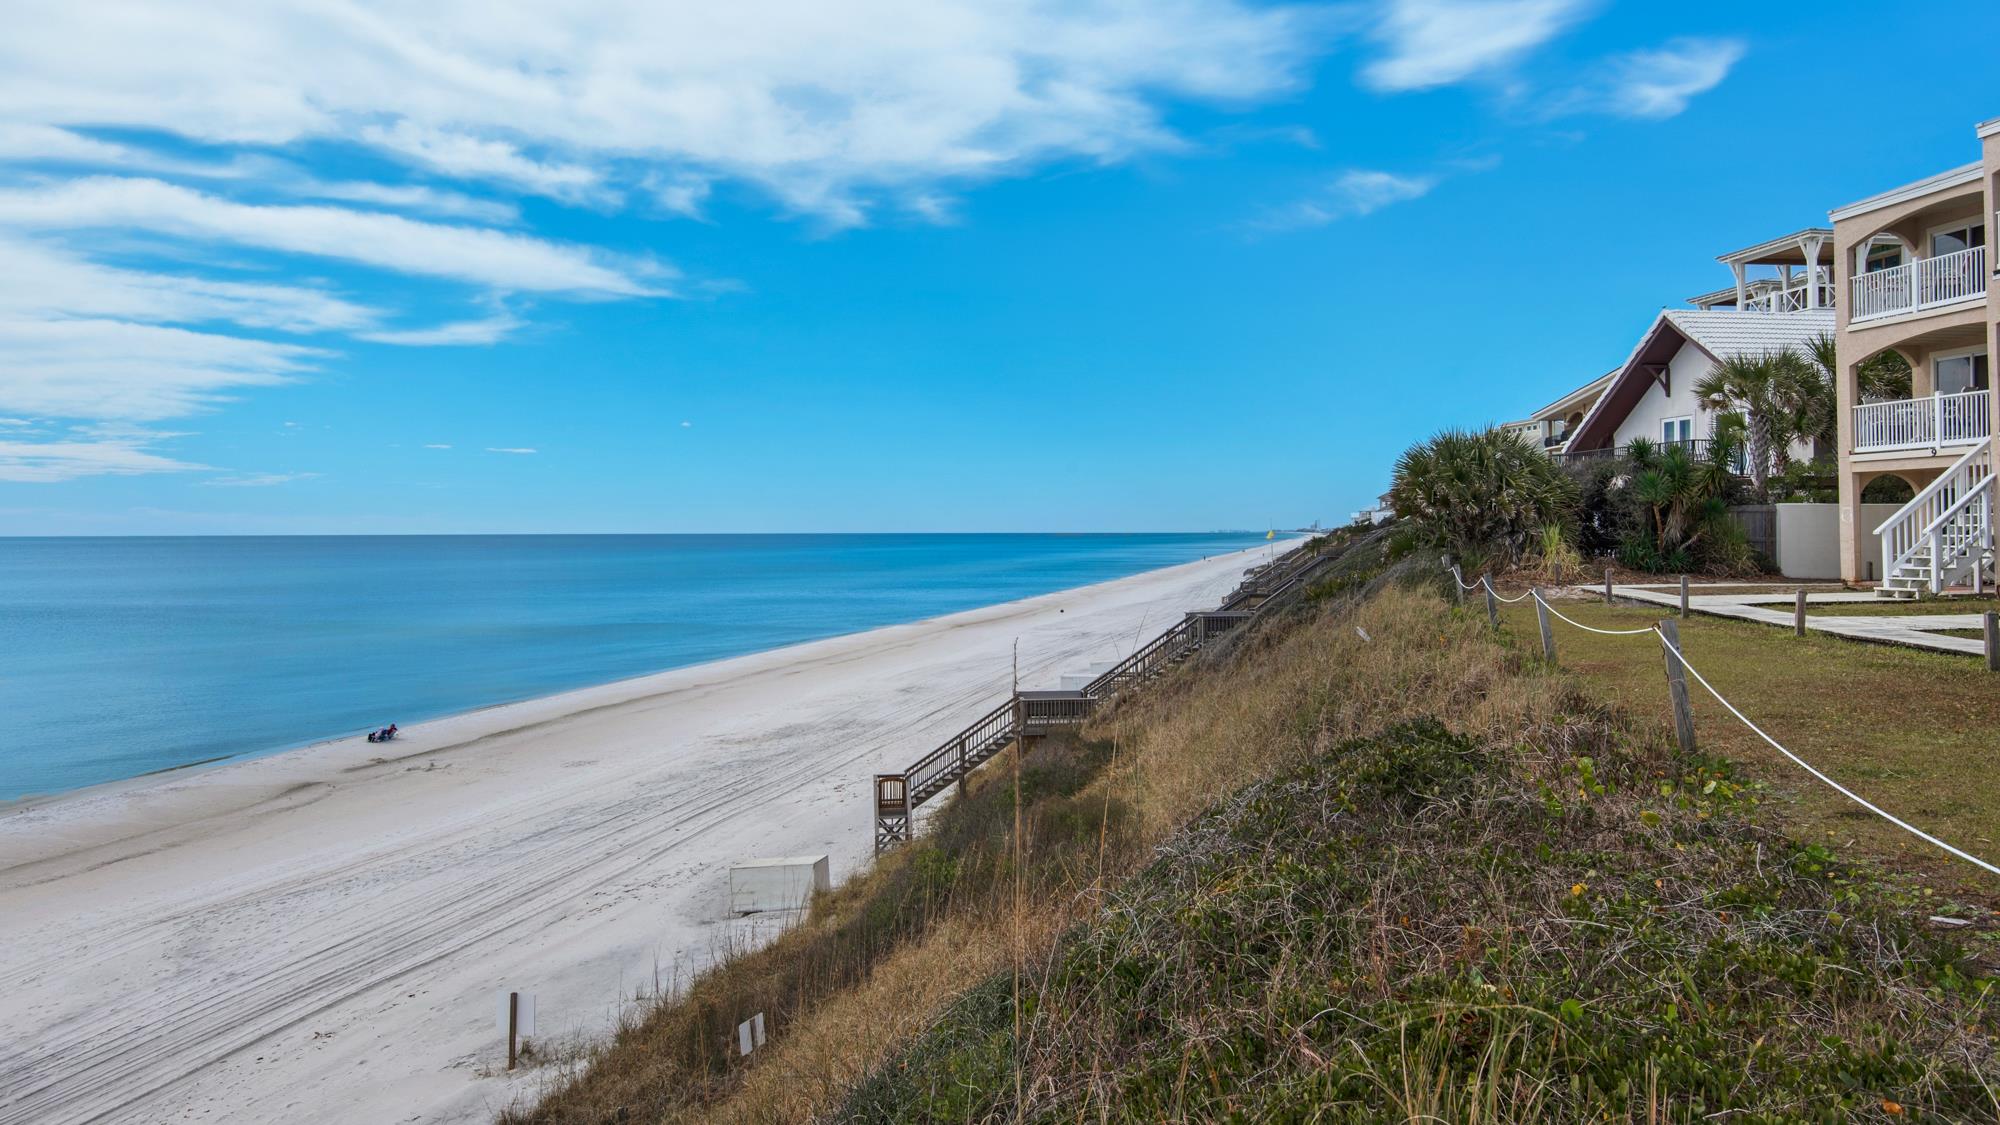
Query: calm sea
column 123, row 656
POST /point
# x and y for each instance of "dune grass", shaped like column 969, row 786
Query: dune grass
column 1525, row 907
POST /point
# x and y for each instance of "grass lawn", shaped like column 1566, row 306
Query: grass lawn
column 1915, row 732
column 1887, row 608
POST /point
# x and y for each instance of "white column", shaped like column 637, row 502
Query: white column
column 1811, row 245
column 1742, row 294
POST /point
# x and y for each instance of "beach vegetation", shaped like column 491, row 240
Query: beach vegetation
column 1482, row 496
column 1369, row 861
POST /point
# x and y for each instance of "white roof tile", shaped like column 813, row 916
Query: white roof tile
column 1726, row 332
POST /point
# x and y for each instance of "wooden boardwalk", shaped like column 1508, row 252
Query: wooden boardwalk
column 1036, row 714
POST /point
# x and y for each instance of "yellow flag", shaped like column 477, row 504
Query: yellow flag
column 1271, row 534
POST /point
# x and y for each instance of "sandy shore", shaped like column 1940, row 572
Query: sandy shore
column 318, row 936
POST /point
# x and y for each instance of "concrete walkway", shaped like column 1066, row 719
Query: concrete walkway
column 1915, row 630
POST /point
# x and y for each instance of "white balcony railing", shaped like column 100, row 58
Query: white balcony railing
column 1922, row 284
column 1778, row 297
column 1922, row 423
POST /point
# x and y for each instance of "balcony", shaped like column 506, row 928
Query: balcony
column 1922, row 423
column 1793, row 295
column 1923, row 284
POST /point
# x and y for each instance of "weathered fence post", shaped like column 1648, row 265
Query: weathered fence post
column 1548, row 633
column 1677, row 686
column 1492, row 604
column 1799, row 613
column 1684, row 595
column 1607, row 585
column 1992, row 623
column 1457, row 582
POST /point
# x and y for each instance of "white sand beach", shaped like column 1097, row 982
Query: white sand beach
column 318, row 936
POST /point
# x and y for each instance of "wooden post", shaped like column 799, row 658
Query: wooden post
column 1684, row 595
column 1457, row 586
column 1677, row 686
column 1548, row 634
column 1607, row 585
column 1992, row 623
column 513, row 1025
column 962, row 770
column 1492, row 605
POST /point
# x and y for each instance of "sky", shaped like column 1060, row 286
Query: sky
column 947, row 265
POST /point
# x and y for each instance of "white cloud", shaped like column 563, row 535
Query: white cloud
column 481, row 256
column 44, row 281
column 43, row 462
column 1352, row 194
column 413, row 197
column 468, row 157
column 257, row 480
column 687, row 425
column 825, row 106
column 1430, row 43
column 437, row 445
column 485, row 330
column 1656, row 84
column 119, row 370
column 506, row 449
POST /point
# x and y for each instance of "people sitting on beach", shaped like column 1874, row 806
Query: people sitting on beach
column 383, row 735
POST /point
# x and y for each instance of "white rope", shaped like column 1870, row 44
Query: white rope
column 1590, row 628
column 1498, row 594
column 1808, row 767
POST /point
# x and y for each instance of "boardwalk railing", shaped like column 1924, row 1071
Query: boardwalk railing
column 1036, row 714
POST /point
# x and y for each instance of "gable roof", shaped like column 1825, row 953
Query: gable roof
column 1720, row 334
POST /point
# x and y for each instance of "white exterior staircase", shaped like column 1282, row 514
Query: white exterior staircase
column 1944, row 535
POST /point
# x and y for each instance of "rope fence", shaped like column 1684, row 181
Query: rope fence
column 1668, row 634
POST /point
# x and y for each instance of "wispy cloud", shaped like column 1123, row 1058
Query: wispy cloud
column 1351, row 194
column 510, row 449
column 436, row 445
column 1652, row 84
column 257, row 480
column 44, row 462
column 485, row 330
column 499, row 259
column 1431, row 43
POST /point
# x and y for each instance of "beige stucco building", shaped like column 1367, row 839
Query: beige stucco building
column 1913, row 274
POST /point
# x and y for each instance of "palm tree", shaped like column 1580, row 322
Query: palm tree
column 1480, row 494
column 1781, row 396
column 1884, row 376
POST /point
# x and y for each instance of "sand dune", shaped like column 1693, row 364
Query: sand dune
column 317, row 936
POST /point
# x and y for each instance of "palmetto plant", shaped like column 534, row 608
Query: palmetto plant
column 1884, row 376
column 1782, row 397
column 1683, row 499
column 1480, row 495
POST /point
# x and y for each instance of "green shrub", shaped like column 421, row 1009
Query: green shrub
column 1484, row 497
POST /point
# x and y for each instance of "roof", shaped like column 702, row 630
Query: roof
column 1988, row 128
column 1782, row 251
column 1589, row 390
column 1965, row 174
column 1719, row 334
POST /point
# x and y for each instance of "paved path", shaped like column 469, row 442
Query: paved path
column 1915, row 630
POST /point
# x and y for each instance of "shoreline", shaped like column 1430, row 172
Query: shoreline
column 234, row 940
column 10, row 806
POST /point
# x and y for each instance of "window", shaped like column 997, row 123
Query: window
column 1957, row 374
column 1886, row 256
column 1676, row 431
column 1952, row 239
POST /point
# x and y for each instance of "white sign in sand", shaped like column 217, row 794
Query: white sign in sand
column 521, row 1021
column 786, row 883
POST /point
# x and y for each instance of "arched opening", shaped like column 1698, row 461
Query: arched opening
column 1888, row 488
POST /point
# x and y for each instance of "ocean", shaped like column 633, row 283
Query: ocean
column 125, row 656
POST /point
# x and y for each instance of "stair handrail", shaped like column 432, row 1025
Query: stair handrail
column 1903, row 538
column 927, row 768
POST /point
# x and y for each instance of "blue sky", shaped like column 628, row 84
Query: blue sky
column 956, row 265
